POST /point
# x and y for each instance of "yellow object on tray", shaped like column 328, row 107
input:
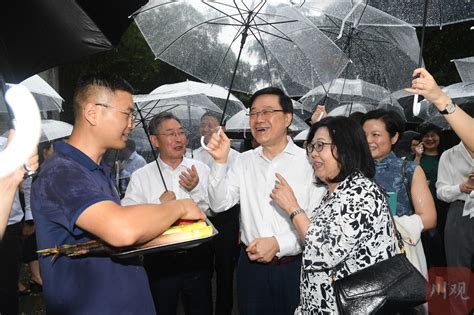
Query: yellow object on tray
column 187, row 228
column 181, row 233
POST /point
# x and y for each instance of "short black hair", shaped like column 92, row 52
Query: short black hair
column 416, row 137
column 87, row 82
column 357, row 117
column 349, row 139
column 392, row 120
column 285, row 101
column 212, row 114
column 156, row 121
column 428, row 127
column 425, row 128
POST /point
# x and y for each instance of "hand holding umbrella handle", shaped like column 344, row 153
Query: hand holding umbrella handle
column 320, row 116
column 202, row 139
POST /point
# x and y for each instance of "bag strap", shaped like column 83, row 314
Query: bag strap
column 406, row 181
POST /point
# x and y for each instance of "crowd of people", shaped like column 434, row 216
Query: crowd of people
column 291, row 220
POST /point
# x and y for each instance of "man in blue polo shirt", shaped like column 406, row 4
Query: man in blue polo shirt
column 74, row 200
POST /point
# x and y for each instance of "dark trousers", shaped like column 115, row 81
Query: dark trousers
column 10, row 253
column 181, row 272
column 267, row 289
column 459, row 237
column 433, row 240
column 226, row 252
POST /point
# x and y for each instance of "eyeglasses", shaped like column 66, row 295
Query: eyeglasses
column 174, row 134
column 131, row 115
column 318, row 146
column 266, row 113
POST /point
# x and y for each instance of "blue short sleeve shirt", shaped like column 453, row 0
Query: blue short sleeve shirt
column 69, row 182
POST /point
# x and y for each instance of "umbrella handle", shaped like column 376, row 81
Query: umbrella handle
column 341, row 31
column 205, row 147
column 28, row 129
column 320, row 116
column 416, row 105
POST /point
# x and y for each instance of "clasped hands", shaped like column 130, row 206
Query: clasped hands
column 264, row 249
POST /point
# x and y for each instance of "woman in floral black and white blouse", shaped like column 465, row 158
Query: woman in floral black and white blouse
column 351, row 229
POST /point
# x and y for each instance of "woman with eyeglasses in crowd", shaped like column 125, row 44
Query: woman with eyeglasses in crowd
column 351, row 229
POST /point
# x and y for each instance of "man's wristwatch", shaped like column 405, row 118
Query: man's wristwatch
column 448, row 109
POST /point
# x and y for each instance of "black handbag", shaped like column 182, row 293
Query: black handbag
column 390, row 286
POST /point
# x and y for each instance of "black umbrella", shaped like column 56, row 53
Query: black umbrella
column 37, row 35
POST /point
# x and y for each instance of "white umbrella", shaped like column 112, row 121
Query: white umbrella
column 46, row 97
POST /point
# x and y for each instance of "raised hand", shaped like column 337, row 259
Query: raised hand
column 283, row 195
column 219, row 147
column 189, row 178
column 419, row 150
column 318, row 114
column 425, row 85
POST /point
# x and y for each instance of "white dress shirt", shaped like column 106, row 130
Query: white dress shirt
column 146, row 185
column 250, row 180
column 454, row 167
column 133, row 163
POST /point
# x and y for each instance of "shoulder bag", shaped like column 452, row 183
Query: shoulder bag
column 391, row 286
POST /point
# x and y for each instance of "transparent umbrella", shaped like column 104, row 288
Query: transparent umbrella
column 214, row 92
column 52, row 130
column 238, row 125
column 302, row 135
column 241, row 45
column 461, row 93
column 438, row 12
column 404, row 100
column 299, row 110
column 465, row 67
column 427, row 13
column 188, row 108
column 383, row 49
column 344, row 91
column 348, row 109
column 46, row 97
